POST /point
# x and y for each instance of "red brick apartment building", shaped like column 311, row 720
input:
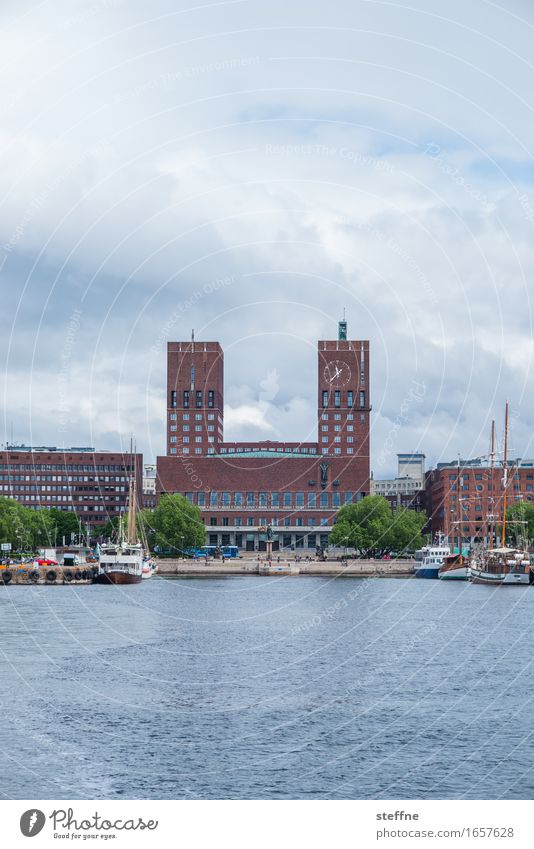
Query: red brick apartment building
column 241, row 487
column 93, row 484
column 470, row 502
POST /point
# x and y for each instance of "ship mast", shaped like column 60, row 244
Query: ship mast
column 492, row 494
column 505, row 477
column 458, row 514
column 132, row 508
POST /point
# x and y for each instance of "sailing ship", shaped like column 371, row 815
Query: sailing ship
column 502, row 565
column 121, row 562
column 454, row 566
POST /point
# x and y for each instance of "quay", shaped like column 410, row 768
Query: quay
column 329, row 568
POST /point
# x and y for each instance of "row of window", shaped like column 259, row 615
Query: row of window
column 254, row 521
column 274, row 500
column 211, row 450
column 198, row 428
column 173, row 417
column 197, row 396
column 338, row 396
column 64, row 478
column 58, row 467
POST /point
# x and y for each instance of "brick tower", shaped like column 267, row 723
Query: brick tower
column 343, row 396
column 195, row 397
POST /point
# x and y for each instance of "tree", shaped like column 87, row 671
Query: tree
column 25, row 529
column 370, row 527
column 65, row 523
column 174, row 524
column 519, row 523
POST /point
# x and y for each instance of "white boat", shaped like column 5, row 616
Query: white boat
column 122, row 562
column 432, row 557
column 455, row 567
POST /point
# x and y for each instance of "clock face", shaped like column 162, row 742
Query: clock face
column 337, row 373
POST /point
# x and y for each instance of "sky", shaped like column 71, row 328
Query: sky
column 250, row 170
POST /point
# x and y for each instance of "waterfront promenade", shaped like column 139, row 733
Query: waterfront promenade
column 316, row 568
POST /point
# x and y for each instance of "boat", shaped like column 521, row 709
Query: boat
column 122, row 562
column 432, row 557
column 455, row 567
column 500, row 566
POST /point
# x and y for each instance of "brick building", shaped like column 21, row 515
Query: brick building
column 241, row 487
column 93, row 484
column 467, row 498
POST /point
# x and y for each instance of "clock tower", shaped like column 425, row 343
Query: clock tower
column 344, row 397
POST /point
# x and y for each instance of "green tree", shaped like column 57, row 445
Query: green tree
column 25, row 529
column 519, row 523
column 373, row 529
column 64, row 524
column 174, row 524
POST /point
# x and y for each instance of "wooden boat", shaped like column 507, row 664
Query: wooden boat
column 501, row 566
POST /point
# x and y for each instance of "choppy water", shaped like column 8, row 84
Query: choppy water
column 267, row 688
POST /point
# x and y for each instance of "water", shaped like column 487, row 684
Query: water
column 267, row 688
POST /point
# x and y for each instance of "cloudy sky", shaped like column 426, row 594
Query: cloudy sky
column 250, row 169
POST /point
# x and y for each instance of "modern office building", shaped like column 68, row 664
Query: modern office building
column 243, row 487
column 93, row 484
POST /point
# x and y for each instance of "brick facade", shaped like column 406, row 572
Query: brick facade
column 92, row 484
column 296, row 487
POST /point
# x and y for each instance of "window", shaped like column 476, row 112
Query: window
column 299, row 499
column 337, row 428
column 184, row 439
column 324, row 417
column 211, row 398
column 238, row 521
column 173, row 439
column 199, row 398
column 226, row 499
column 336, row 499
column 350, row 428
column 275, row 499
column 337, row 398
column 198, row 417
column 325, row 398
column 185, row 417
column 324, row 428
column 198, row 439
column 312, row 499
column 198, row 428
column 173, row 398
column 238, row 499
column 198, row 450
column 225, row 522
column 350, row 398
column 214, row 499
column 362, row 398
column 186, row 398
column 201, row 499
column 250, row 499
column 250, row 521
column 262, row 499
column 324, row 499
column 348, row 498
column 172, row 418
column 287, row 499
column 350, row 439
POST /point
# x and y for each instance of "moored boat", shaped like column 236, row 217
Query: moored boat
column 500, row 566
column 432, row 557
column 455, row 567
column 122, row 562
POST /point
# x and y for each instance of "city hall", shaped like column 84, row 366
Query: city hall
column 241, row 488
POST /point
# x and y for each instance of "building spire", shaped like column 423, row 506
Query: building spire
column 342, row 327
